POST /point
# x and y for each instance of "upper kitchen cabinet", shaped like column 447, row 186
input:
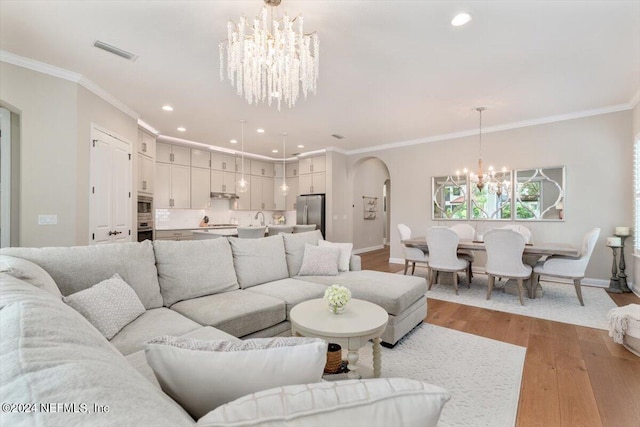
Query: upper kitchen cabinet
column 173, row 186
column 146, row 143
column 293, row 169
column 200, row 188
column 145, row 174
column 200, row 159
column 223, row 182
column 247, row 166
column 174, row 154
column 261, row 168
column 313, row 183
column 223, row 162
column 310, row 165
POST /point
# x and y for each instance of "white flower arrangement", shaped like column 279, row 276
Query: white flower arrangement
column 337, row 296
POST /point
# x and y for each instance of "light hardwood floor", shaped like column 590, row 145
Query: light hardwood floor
column 573, row 375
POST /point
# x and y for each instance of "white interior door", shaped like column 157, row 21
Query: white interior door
column 110, row 208
column 5, row 178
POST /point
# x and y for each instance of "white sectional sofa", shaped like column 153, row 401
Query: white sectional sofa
column 210, row 289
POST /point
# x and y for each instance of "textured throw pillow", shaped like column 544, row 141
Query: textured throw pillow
column 345, row 253
column 202, row 375
column 110, row 305
column 320, row 261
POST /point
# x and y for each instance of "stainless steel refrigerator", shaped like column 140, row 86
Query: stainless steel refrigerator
column 310, row 210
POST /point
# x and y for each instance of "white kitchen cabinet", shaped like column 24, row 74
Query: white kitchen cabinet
column 278, row 170
column 243, row 202
column 223, row 182
column 292, row 169
column 174, row 235
column 262, row 193
column 174, row 154
column 261, row 168
column 247, row 166
column 290, row 202
column 200, row 188
column 146, row 144
column 310, row 165
column 223, row 162
column 172, row 186
column 200, row 159
column 312, row 183
column 145, row 174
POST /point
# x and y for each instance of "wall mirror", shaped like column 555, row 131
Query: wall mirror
column 491, row 198
column 540, row 194
column 449, row 197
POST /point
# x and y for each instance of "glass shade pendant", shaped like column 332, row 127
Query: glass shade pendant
column 242, row 186
column 284, row 188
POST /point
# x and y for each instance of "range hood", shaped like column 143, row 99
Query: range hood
column 228, row 196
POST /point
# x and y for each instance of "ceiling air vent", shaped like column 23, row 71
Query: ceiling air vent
column 335, row 135
column 115, row 50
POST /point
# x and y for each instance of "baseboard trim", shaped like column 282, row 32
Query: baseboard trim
column 396, row 260
column 369, row 249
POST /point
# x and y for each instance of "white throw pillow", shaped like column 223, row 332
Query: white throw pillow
column 110, row 305
column 345, row 253
column 202, row 375
column 320, row 261
column 354, row 403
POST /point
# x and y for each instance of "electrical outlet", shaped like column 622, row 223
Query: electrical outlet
column 47, row 219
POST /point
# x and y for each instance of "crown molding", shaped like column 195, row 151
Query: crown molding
column 148, row 127
column 64, row 74
column 498, row 128
column 633, row 102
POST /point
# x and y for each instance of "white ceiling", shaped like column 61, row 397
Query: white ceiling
column 390, row 71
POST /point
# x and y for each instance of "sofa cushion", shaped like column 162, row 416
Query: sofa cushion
column 356, row 403
column 291, row 291
column 294, row 248
column 80, row 267
column 50, row 354
column 153, row 323
column 194, row 268
column 202, row 375
column 109, row 305
column 393, row 292
column 237, row 312
column 259, row 260
column 29, row 272
column 139, row 361
column 345, row 253
column 319, row 261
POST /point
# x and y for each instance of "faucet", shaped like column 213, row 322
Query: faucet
column 261, row 219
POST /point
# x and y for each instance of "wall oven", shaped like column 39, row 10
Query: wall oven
column 145, row 218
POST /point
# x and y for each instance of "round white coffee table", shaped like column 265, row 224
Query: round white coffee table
column 360, row 322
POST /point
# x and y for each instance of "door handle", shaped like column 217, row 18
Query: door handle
column 114, row 233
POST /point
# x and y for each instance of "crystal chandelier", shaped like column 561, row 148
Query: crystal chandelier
column 242, row 185
column 284, row 188
column 270, row 60
column 496, row 182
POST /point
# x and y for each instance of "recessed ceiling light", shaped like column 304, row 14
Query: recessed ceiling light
column 300, row 146
column 274, row 151
column 167, row 108
column 181, row 129
column 460, row 19
column 234, row 141
column 260, row 130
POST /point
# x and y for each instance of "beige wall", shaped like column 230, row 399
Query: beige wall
column 55, row 120
column 15, row 179
column 338, row 208
column 368, row 178
column 595, row 150
column 636, row 137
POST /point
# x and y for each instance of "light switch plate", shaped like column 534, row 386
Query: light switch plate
column 47, row 219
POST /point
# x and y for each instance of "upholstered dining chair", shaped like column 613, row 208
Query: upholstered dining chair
column 251, row 232
column 504, row 258
column 465, row 232
column 303, row 228
column 526, row 233
column 412, row 255
column 443, row 247
column 568, row 267
column 277, row 229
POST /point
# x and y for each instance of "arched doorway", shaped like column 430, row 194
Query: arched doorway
column 370, row 182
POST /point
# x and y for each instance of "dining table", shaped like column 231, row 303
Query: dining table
column 531, row 254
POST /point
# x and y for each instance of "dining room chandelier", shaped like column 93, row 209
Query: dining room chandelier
column 271, row 60
column 495, row 182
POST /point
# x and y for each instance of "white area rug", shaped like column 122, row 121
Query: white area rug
column 482, row 375
column 559, row 302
